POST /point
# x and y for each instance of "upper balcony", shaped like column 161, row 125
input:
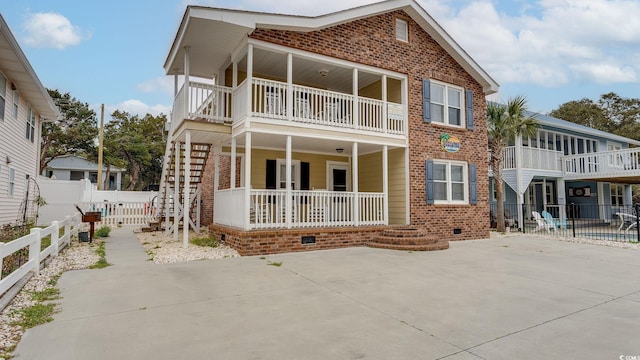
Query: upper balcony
column 271, row 100
column 621, row 166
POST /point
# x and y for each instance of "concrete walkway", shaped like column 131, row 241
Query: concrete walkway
column 509, row 298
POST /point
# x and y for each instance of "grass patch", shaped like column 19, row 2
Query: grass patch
column 36, row 315
column 209, row 241
column 102, row 262
column 54, row 280
column 275, row 263
column 46, row 294
column 103, row 231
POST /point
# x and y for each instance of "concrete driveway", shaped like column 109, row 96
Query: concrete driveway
column 508, row 298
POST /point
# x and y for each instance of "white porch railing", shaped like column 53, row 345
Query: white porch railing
column 268, row 208
column 604, row 164
column 122, row 213
column 240, row 101
column 532, row 158
column 33, row 242
column 205, row 101
column 322, row 107
column 228, row 207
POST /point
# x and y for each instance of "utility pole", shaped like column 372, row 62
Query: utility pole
column 100, row 139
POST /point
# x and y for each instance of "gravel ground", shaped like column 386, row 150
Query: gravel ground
column 77, row 256
column 162, row 249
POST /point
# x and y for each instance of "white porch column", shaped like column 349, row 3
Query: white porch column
column 354, row 185
column 562, row 201
column 385, row 183
column 186, row 202
column 519, row 191
column 187, row 106
column 234, row 75
column 544, row 194
column 247, row 182
column 176, row 192
column 233, row 163
column 249, row 84
column 289, row 105
column 175, row 85
column 355, row 117
column 288, row 202
column 216, row 170
column 385, row 116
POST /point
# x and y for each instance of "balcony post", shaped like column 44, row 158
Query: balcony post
column 289, row 103
column 175, row 85
column 288, row 202
column 247, row 181
column 562, row 202
column 187, row 102
column 186, row 202
column 233, row 163
column 385, row 116
column 354, row 186
column 234, row 75
column 176, row 191
column 355, row 117
column 385, row 183
column 249, row 83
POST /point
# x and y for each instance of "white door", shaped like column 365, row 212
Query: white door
column 338, row 176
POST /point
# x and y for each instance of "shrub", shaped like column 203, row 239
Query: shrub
column 103, row 232
column 205, row 241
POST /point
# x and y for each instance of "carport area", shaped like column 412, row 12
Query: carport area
column 506, row 298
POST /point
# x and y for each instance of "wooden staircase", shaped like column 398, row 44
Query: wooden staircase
column 199, row 153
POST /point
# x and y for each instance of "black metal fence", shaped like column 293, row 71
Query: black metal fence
column 600, row 222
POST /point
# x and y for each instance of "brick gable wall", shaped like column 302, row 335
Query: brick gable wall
column 371, row 41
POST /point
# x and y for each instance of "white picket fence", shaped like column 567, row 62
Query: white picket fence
column 33, row 241
column 122, row 213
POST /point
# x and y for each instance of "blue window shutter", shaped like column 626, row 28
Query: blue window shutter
column 426, row 101
column 430, row 183
column 469, row 108
column 473, row 188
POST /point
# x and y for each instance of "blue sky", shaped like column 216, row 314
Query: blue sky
column 551, row 51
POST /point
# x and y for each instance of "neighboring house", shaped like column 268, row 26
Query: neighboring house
column 24, row 105
column 340, row 126
column 566, row 163
column 77, row 168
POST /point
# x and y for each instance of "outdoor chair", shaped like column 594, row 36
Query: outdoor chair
column 542, row 223
column 628, row 221
column 556, row 222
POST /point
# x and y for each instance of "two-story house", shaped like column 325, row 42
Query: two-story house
column 569, row 170
column 24, row 105
column 320, row 132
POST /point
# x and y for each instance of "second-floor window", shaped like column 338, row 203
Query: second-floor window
column 3, row 95
column 16, row 101
column 31, row 124
column 446, row 104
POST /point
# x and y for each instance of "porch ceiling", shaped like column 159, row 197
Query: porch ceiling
column 313, row 145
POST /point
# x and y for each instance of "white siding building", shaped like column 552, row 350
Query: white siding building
column 24, row 105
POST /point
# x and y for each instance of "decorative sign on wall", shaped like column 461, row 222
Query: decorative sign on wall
column 450, row 143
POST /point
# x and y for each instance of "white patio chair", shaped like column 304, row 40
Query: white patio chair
column 542, row 223
column 628, row 221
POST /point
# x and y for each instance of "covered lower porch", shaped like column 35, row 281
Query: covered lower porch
column 297, row 182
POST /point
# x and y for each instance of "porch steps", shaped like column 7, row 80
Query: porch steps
column 408, row 239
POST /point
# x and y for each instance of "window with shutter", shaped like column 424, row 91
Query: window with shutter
column 448, row 182
column 444, row 103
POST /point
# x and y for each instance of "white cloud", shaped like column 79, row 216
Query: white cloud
column 137, row 107
column 51, row 30
column 162, row 84
column 560, row 41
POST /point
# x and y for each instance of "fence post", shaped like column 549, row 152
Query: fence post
column 67, row 228
column 34, row 250
column 637, row 222
column 55, row 237
column 573, row 219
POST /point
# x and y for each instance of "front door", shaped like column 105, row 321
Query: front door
column 338, row 176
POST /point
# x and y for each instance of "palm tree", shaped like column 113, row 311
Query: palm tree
column 504, row 123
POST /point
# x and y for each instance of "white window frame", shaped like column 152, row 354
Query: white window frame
column 445, row 116
column 16, row 103
column 616, row 196
column 3, row 95
column 465, row 182
column 12, row 182
column 402, row 30
column 295, row 173
column 31, row 124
